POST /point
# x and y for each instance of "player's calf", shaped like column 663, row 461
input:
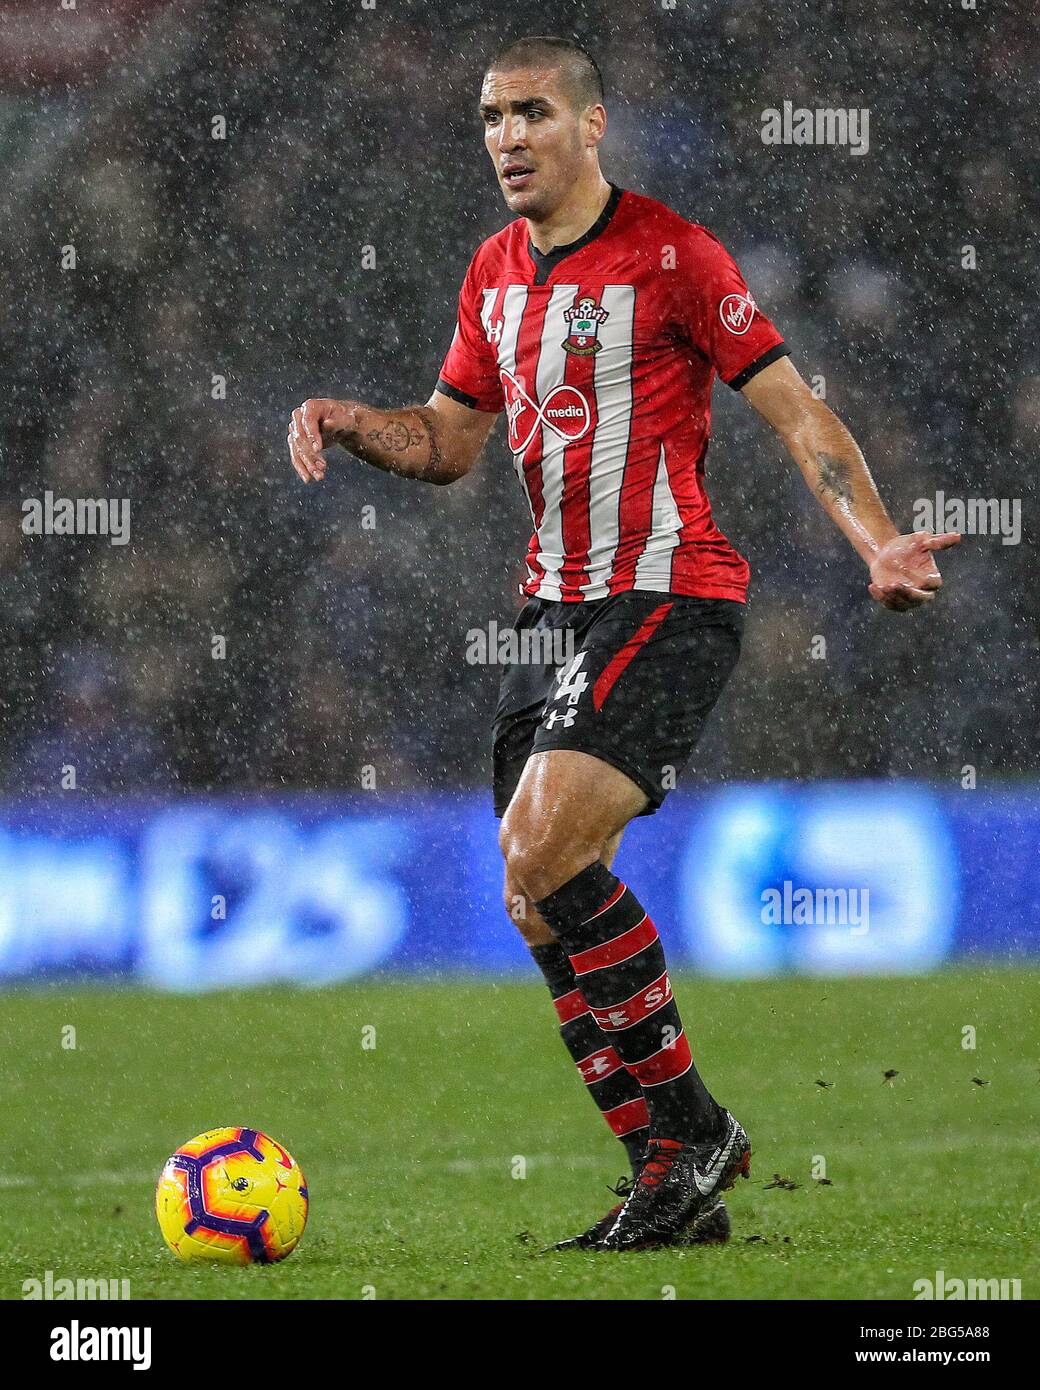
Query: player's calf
column 614, row 1091
column 620, row 968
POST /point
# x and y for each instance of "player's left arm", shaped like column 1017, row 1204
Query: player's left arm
column 903, row 572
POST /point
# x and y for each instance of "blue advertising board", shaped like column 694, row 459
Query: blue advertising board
column 210, row 892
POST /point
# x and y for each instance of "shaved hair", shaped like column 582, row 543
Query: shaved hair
column 580, row 71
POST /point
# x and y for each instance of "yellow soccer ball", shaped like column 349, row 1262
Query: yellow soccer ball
column 232, row 1195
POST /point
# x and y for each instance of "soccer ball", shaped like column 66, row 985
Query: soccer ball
column 232, row 1195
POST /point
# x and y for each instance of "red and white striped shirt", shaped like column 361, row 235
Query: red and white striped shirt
column 603, row 354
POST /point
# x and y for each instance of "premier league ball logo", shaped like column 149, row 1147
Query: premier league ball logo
column 583, row 319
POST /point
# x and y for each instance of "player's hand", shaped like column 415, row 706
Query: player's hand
column 314, row 426
column 903, row 574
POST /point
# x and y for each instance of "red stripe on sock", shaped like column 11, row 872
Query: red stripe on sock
column 619, row 948
column 570, row 1006
column 615, row 667
column 665, row 1065
column 617, row 893
column 641, row 1005
column 623, row 1119
column 597, row 1066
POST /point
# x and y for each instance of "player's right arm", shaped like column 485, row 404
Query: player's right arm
column 434, row 443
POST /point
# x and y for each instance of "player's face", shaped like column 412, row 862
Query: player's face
column 535, row 138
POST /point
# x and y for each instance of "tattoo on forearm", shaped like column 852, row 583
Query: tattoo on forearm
column 436, row 462
column 397, row 446
column 833, row 479
column 396, row 436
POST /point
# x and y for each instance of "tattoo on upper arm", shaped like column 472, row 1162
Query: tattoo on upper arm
column 833, row 478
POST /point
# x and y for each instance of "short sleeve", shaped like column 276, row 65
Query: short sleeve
column 469, row 373
column 719, row 314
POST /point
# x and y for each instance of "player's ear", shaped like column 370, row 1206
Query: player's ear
column 595, row 121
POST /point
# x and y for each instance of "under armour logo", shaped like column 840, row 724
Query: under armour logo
column 494, row 331
column 572, row 410
column 595, row 1066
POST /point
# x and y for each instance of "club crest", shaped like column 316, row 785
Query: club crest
column 583, row 319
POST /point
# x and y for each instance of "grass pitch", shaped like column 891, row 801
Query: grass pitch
column 411, row 1148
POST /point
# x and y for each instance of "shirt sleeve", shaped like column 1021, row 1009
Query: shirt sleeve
column 718, row 312
column 469, row 373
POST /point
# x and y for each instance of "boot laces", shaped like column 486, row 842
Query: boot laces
column 660, row 1155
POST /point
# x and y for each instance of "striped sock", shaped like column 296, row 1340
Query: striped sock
column 620, row 969
column 617, row 1093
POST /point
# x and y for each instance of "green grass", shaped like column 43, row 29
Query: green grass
column 409, row 1148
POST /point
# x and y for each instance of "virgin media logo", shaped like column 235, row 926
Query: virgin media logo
column 565, row 411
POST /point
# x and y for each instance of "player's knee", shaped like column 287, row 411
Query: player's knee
column 542, row 857
column 521, row 850
column 524, row 916
column 515, row 901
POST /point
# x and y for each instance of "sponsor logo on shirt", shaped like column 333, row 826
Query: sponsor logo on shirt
column 565, row 411
column 736, row 312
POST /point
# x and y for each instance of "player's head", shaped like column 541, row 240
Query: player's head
column 542, row 107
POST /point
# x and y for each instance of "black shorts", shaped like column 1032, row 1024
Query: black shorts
column 629, row 679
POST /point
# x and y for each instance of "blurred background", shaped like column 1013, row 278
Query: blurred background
column 218, row 282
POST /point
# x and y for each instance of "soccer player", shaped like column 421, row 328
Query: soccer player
column 597, row 320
